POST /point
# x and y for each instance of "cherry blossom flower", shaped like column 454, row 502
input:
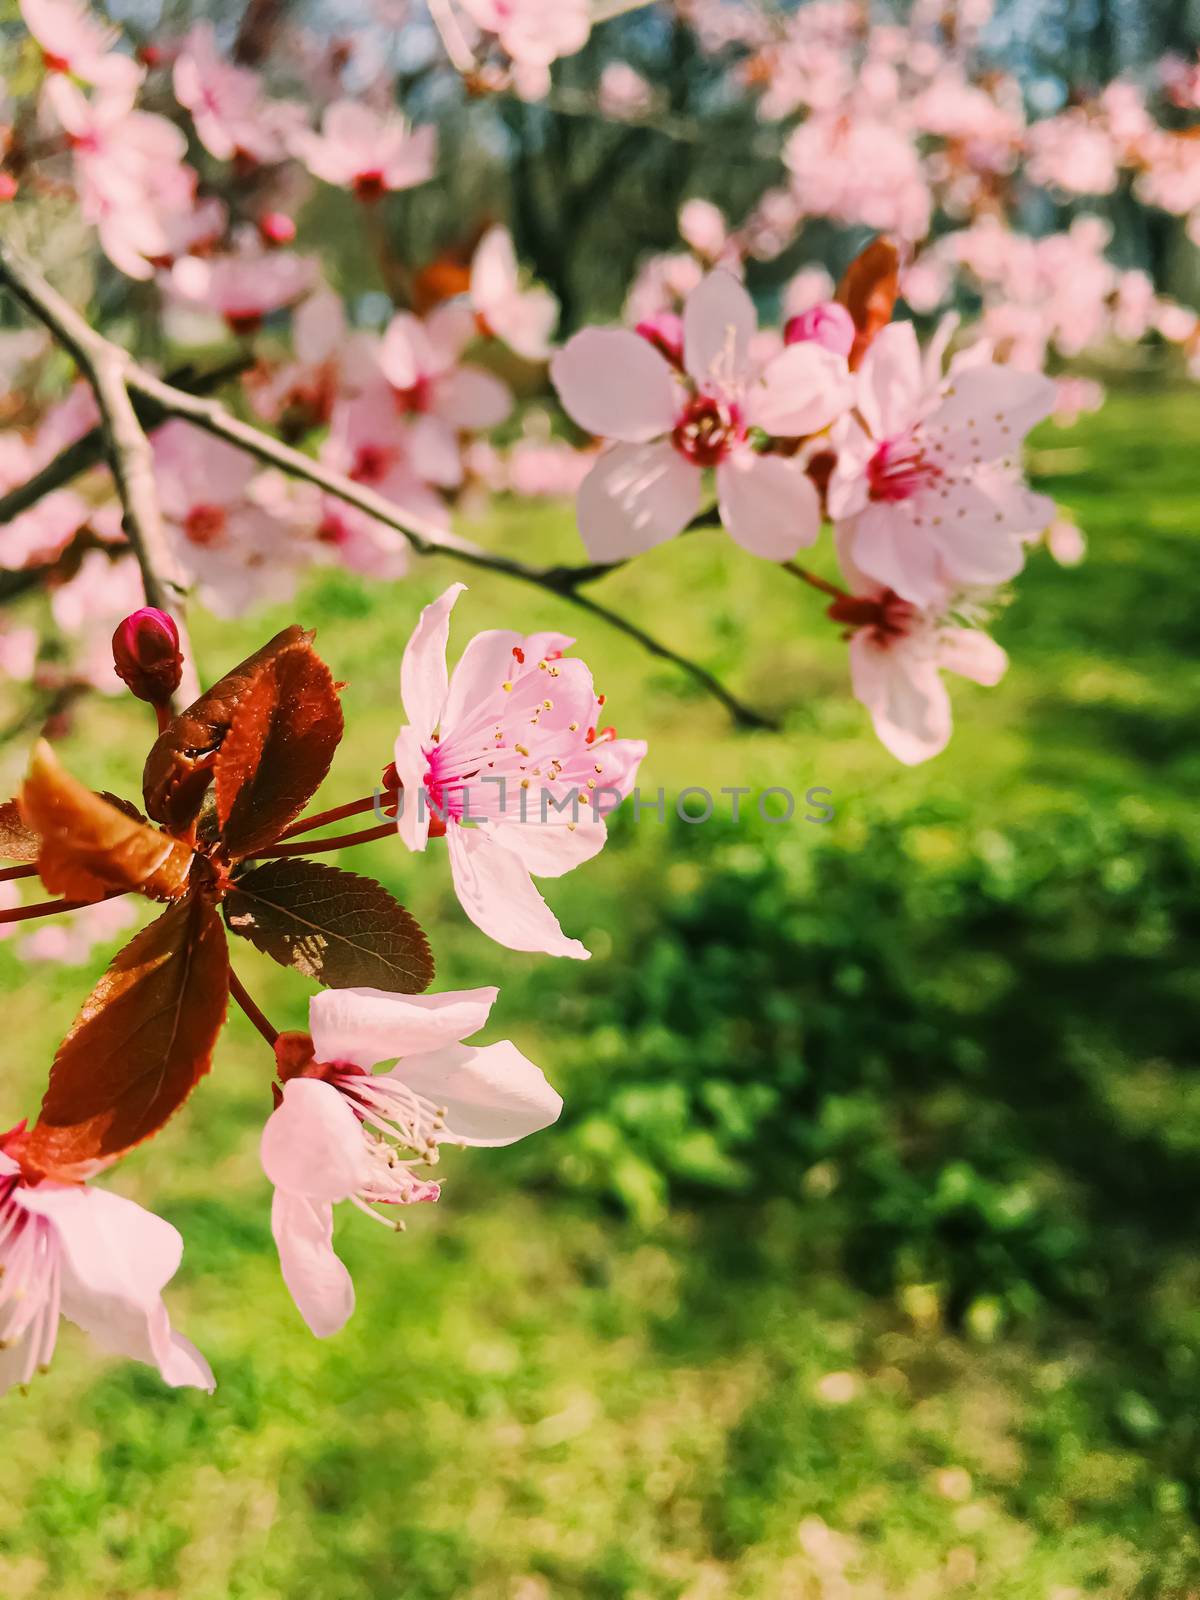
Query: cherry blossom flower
column 523, row 319
column 69, row 940
column 923, row 491
column 232, row 116
column 827, row 324
column 443, row 396
column 74, row 1251
column 44, row 531
column 533, row 32
column 244, row 286
column 359, row 149
column 669, row 426
column 76, row 42
column 509, row 757
column 232, row 549
column 344, row 1132
column 898, row 652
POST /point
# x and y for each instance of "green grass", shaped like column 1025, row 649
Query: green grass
column 548, row 1393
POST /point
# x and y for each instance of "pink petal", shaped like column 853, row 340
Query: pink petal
column 886, row 546
column 367, row 1026
column 768, row 504
column 317, row 1281
column 907, row 700
column 423, row 668
column 526, row 322
column 800, row 392
column 972, row 654
column 988, row 410
column 412, row 823
column 719, row 322
column 312, row 1143
column 473, row 399
column 549, row 849
column 405, row 355
column 493, row 1096
column 493, row 268
column 891, row 381
column 435, row 452
column 636, row 496
column 616, row 385
column 484, row 665
column 496, row 892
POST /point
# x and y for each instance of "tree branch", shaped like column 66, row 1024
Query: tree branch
column 107, row 367
column 110, row 370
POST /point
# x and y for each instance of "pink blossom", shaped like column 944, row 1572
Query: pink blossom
column 623, row 92
column 359, row 149
column 70, row 940
column 524, row 319
column 231, row 114
column 18, row 653
column 922, row 492
column 1066, row 542
column 244, row 286
column 669, row 426
column 443, row 395
column 534, row 32
column 344, row 1132
column 898, row 652
column 44, row 531
column 100, row 1261
column 828, row 324
column 510, row 757
column 859, row 170
column 74, row 41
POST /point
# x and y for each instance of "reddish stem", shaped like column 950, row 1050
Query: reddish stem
column 341, row 841
column 238, row 990
column 48, row 908
column 164, row 715
column 812, row 579
column 7, row 874
column 352, row 808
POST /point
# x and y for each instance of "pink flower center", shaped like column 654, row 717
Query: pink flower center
column 899, row 469
column 372, row 463
column 889, row 618
column 417, row 397
column 244, row 322
column 205, row 525
column 369, row 186
column 707, row 430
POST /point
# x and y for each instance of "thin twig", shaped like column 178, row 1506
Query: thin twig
column 10, row 873
column 352, row 808
column 312, row 847
column 813, row 579
column 48, row 908
column 239, row 992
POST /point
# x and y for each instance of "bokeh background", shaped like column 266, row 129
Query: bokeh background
column 863, row 1263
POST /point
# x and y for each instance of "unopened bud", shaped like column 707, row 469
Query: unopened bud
column 276, row 228
column 829, row 325
column 146, row 655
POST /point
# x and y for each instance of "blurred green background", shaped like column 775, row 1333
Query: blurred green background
column 863, row 1261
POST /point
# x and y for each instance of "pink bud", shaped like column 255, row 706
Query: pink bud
column 276, row 228
column 8, row 186
column 665, row 333
column 830, row 325
column 146, row 655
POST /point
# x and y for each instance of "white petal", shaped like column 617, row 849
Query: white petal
column 423, row 668
column 367, row 1026
column 801, row 391
column 636, row 496
column 615, row 384
column 317, row 1281
column 718, row 324
column 497, row 893
column 312, row 1143
column 768, row 504
column 493, row 1096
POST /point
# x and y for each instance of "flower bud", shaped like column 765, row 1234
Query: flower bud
column 665, row 333
column 146, row 655
column 830, row 325
column 276, row 228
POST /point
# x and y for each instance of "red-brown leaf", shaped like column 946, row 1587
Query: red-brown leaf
column 142, row 1042
column 868, row 291
column 345, row 931
column 89, row 847
column 280, row 743
column 179, row 767
column 18, row 841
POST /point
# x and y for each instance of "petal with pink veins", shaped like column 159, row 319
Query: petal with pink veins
column 492, row 1096
column 423, row 679
column 317, row 1281
column 497, row 893
column 768, row 504
column 367, row 1026
column 636, row 496
column 719, row 322
column 312, row 1143
column 485, row 664
column 411, row 763
column 614, row 384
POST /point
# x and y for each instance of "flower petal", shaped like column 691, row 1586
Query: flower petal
column 473, row 399
column 550, row 849
column 719, row 322
column 411, row 762
column 801, row 391
column 636, row 496
column 614, row 383
column 492, row 1096
column 496, row 892
column 423, row 668
column 972, row 654
column 367, row 1026
column 891, row 382
column 312, row 1143
column 909, row 706
column 768, row 504
column 484, row 665
column 317, row 1281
